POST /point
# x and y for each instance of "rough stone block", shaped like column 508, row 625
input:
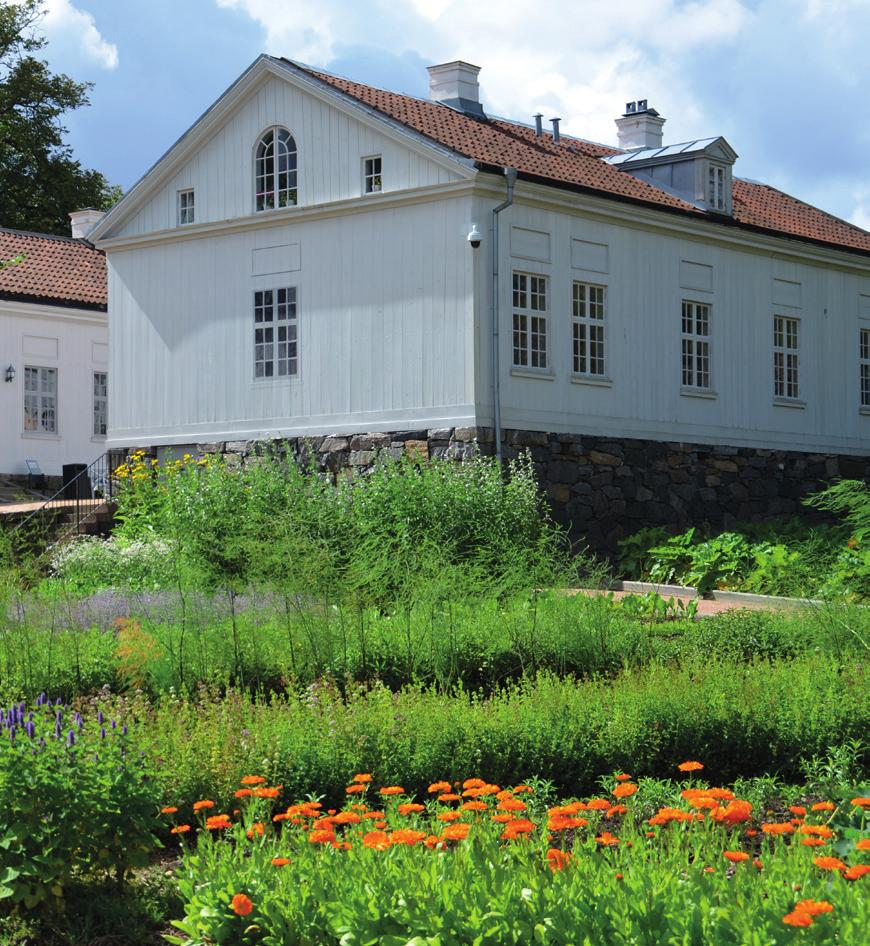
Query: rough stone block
column 604, row 459
column 417, row 449
column 333, row 444
column 361, row 457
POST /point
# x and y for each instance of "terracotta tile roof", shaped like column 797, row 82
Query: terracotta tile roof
column 55, row 270
column 575, row 163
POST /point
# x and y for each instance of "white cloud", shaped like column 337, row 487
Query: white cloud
column 861, row 215
column 66, row 26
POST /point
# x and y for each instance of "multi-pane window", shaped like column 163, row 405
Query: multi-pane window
column 101, row 403
column 696, row 345
column 864, row 369
column 185, row 207
column 530, row 321
column 786, row 347
column 716, row 187
column 276, row 343
column 40, row 399
column 588, row 328
column 372, row 180
column 275, row 170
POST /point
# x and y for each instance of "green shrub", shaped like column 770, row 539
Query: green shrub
column 74, row 799
column 741, row 719
column 88, row 563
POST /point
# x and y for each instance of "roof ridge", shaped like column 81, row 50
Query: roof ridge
column 59, row 237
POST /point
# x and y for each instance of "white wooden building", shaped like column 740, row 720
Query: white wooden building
column 54, row 350
column 299, row 263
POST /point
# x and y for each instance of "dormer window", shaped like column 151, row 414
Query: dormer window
column 275, row 170
column 716, row 196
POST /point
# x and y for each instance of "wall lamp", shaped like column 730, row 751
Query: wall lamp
column 10, row 373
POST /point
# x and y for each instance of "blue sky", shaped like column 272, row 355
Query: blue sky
column 784, row 80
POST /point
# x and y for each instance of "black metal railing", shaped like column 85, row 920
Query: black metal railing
column 80, row 500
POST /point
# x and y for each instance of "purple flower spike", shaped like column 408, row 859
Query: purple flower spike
column 71, row 738
column 102, row 732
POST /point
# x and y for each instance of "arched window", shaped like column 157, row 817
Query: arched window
column 275, row 170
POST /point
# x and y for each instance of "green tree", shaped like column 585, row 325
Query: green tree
column 40, row 181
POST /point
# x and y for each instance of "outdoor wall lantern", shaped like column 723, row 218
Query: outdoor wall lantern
column 10, row 373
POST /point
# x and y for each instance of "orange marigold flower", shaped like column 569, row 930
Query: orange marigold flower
column 565, row 823
column 410, row 808
column 512, row 804
column 321, row 836
column 863, row 845
column 516, row 828
column 355, row 788
column 797, row 810
column 340, row 845
column 393, row 790
column 735, row 856
column 280, row 861
column 243, row 793
column 374, row 815
column 504, row 817
column 606, row 839
column 436, row 787
column 615, row 810
column 376, row 840
column 757, row 863
column 625, row 790
column 861, row 801
column 598, row 804
column 407, row 836
column 268, row 792
column 735, row 812
column 778, row 828
column 558, row 860
column 253, row 780
column 814, row 907
column 709, row 870
column 169, row 810
column 473, row 783
column 829, row 863
column 347, row 817
column 181, row 829
column 456, row 832
column 205, row 803
column 690, row 766
column 819, row 830
column 622, row 777
column 363, row 778
column 217, row 822
column 449, row 796
column 433, row 841
column 813, row 842
column 474, row 806
column 520, row 789
column 242, row 905
column 857, row 872
column 797, row 918
column 824, row 806
column 448, row 816
column 257, row 828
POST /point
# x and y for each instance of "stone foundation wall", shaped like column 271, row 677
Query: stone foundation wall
column 603, row 488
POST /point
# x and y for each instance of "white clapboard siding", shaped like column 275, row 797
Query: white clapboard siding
column 331, row 146
column 384, row 301
column 645, row 270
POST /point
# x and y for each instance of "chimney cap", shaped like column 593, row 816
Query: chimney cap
column 455, row 84
column 641, row 106
column 84, row 220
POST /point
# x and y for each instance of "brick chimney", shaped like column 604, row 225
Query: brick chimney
column 455, row 84
column 83, row 221
column 639, row 127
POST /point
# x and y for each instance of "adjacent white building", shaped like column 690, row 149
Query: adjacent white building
column 54, row 350
column 300, row 263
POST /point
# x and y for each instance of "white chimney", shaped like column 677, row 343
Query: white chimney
column 455, row 84
column 639, row 127
column 83, row 221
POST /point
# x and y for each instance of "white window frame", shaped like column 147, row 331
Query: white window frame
column 186, row 204
column 373, row 174
column 786, row 358
column 864, row 368
column 696, row 346
column 530, row 343
column 41, row 401
column 589, row 330
column 101, row 402
column 716, row 186
column 275, row 187
column 276, row 333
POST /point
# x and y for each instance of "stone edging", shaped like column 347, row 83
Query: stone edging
column 727, row 597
